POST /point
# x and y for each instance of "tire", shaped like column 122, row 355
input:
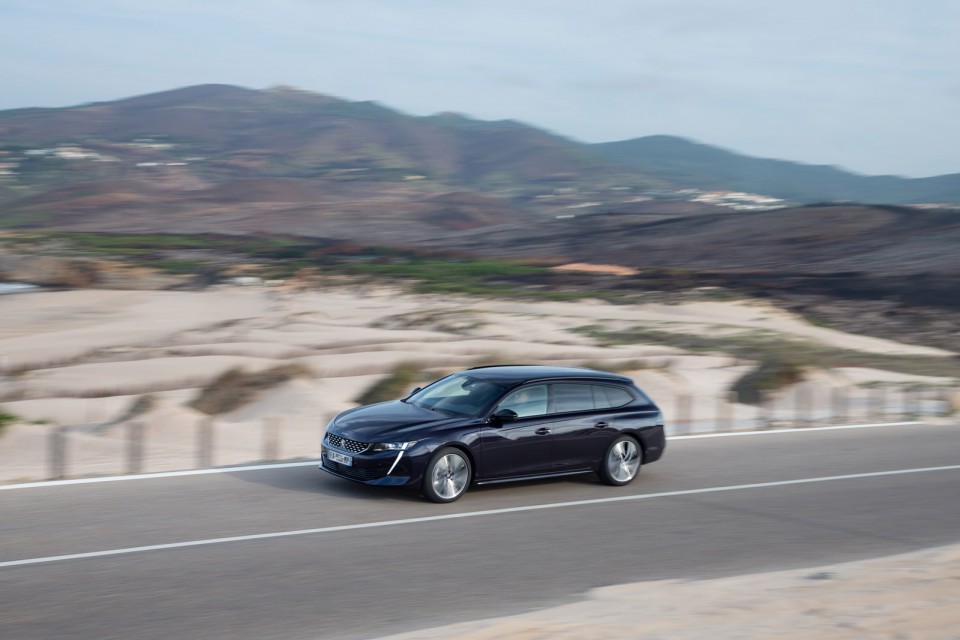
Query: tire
column 621, row 462
column 447, row 475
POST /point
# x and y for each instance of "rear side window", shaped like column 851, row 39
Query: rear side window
column 572, row 397
column 568, row 397
column 610, row 397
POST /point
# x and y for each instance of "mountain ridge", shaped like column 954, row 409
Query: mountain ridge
column 170, row 152
column 696, row 165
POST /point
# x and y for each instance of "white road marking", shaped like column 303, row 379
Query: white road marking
column 793, row 430
column 164, row 474
column 468, row 514
column 261, row 467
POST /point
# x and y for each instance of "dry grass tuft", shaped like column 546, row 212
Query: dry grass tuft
column 616, row 366
column 396, row 384
column 235, row 388
column 139, row 407
column 771, row 374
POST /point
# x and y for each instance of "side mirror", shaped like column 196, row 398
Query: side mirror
column 414, row 391
column 504, row 415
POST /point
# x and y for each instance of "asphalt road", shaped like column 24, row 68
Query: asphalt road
column 320, row 578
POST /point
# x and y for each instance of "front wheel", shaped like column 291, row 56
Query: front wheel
column 447, row 475
column 621, row 463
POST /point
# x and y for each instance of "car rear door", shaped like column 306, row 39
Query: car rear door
column 581, row 431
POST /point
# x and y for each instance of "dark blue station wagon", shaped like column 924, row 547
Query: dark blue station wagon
column 498, row 424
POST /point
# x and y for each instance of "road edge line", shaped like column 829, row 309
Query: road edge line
column 283, row 465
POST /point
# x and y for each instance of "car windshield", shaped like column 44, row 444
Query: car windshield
column 458, row 394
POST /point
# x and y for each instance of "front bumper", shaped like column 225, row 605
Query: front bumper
column 386, row 468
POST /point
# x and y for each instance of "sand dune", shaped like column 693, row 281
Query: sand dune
column 81, row 358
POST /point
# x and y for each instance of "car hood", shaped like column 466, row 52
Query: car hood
column 394, row 421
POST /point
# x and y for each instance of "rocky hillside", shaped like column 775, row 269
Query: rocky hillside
column 218, row 157
column 203, row 149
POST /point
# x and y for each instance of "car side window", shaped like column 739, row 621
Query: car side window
column 526, row 401
column 607, row 397
column 572, row 397
column 569, row 397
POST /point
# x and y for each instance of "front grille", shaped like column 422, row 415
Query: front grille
column 348, row 445
column 355, row 473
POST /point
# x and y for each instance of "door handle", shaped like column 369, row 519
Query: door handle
column 602, row 425
column 542, row 431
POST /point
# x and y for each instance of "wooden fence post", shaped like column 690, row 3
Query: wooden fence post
column 135, row 447
column 58, row 453
column 838, row 405
column 724, row 418
column 205, row 443
column 683, row 413
column 801, row 405
column 879, row 403
column 271, row 438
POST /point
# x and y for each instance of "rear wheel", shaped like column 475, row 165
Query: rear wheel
column 447, row 475
column 621, row 463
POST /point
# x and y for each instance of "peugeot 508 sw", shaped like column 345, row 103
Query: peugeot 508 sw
column 498, row 424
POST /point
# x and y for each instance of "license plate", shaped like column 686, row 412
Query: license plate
column 346, row 461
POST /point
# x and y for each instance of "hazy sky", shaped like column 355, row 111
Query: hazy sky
column 869, row 85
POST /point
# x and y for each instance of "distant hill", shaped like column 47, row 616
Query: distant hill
column 194, row 157
column 226, row 158
column 689, row 164
column 298, row 134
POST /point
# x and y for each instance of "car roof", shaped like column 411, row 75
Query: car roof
column 516, row 373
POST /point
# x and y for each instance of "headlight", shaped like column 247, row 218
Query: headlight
column 392, row 446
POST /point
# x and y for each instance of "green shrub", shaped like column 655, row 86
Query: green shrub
column 7, row 419
column 26, row 219
column 178, row 267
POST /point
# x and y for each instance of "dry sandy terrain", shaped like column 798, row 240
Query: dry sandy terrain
column 909, row 597
column 82, row 358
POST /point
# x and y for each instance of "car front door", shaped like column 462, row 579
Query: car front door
column 520, row 447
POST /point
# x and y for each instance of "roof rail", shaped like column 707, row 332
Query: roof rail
column 509, row 364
